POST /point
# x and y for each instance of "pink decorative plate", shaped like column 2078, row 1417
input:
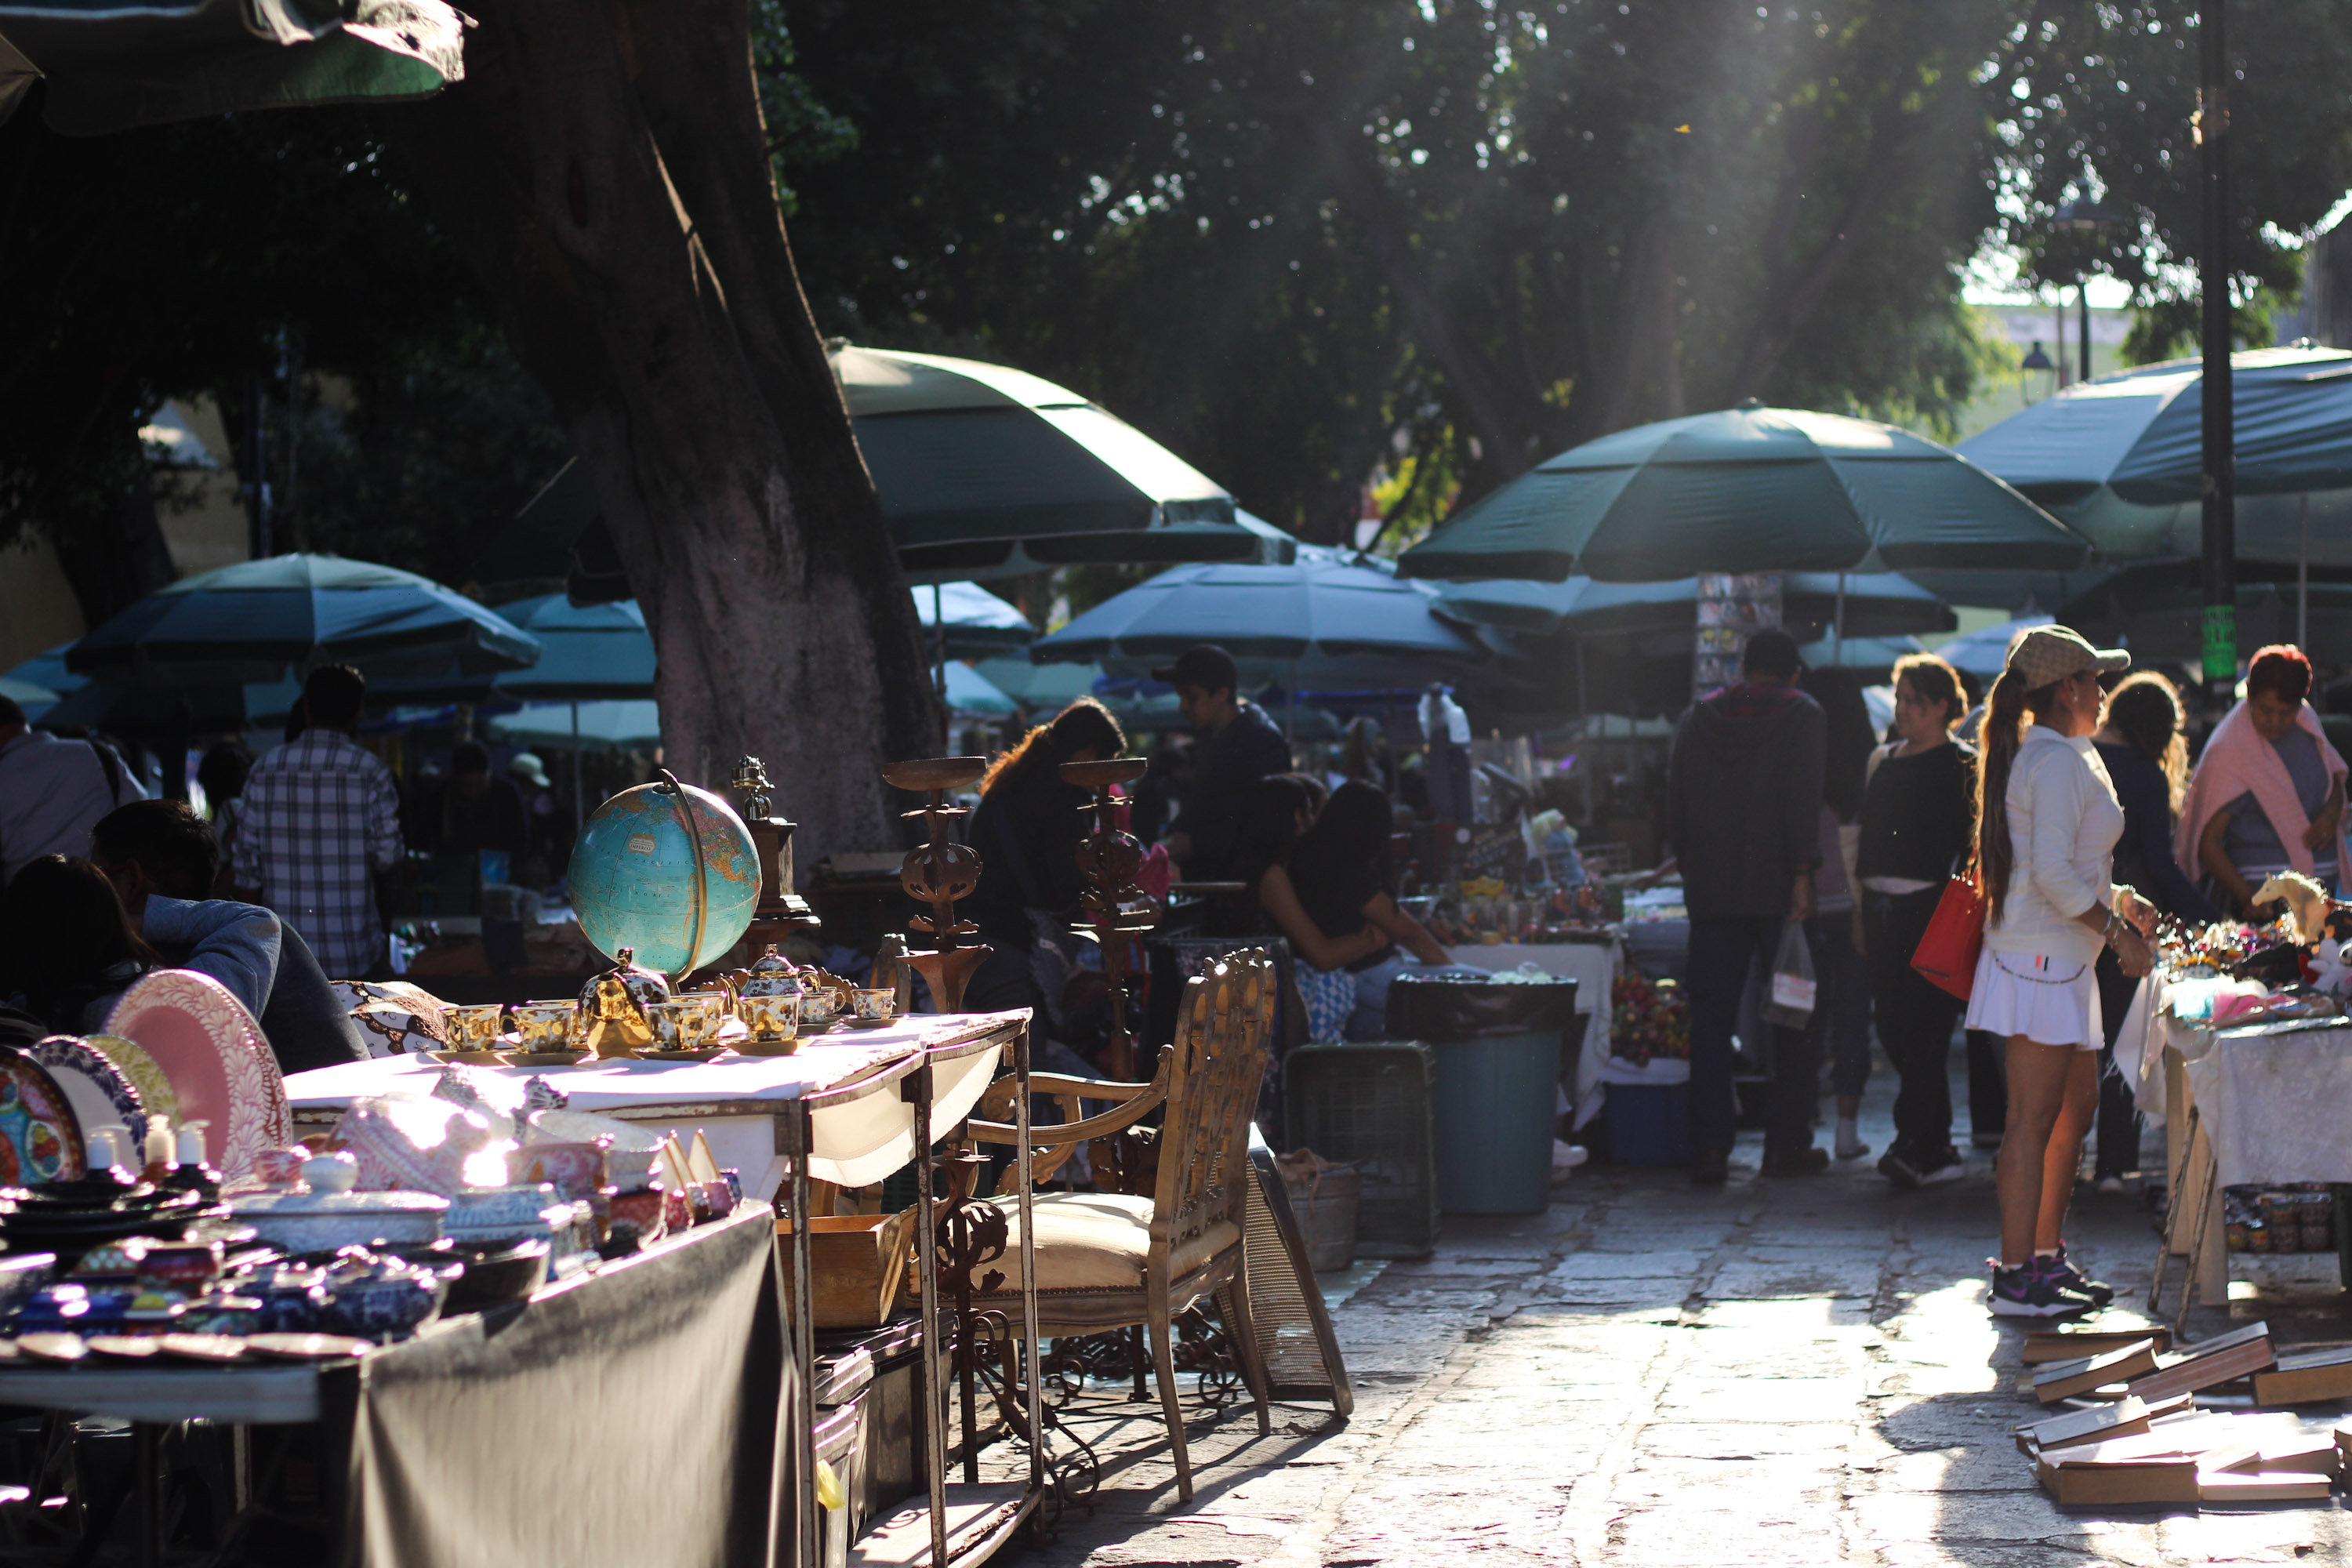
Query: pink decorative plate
column 212, row 1051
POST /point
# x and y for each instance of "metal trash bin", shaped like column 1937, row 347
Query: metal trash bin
column 1498, row 1045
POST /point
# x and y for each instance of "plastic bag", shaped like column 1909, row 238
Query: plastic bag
column 1790, row 1005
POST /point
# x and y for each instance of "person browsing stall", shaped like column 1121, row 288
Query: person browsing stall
column 52, row 789
column 2045, row 848
column 322, row 816
column 162, row 859
column 67, row 949
column 2147, row 755
column 2268, row 793
column 1743, row 814
column 1918, row 809
column 1027, row 831
column 1237, row 746
column 1339, row 877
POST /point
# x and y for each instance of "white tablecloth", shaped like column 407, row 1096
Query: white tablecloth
column 2275, row 1098
column 1595, row 967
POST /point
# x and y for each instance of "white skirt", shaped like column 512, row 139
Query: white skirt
column 2050, row 1001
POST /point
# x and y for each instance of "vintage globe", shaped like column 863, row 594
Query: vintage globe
column 637, row 883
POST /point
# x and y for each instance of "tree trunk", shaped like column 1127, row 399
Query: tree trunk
column 604, row 168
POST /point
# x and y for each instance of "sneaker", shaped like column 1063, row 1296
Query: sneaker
column 2027, row 1292
column 1850, row 1145
column 2055, row 1269
column 1710, row 1170
column 2108, row 1185
column 1896, row 1167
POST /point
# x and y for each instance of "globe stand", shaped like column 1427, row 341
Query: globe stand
column 1114, row 909
column 939, row 872
column 781, row 912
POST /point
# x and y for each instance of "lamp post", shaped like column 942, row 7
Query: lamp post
column 2035, row 362
column 2221, row 531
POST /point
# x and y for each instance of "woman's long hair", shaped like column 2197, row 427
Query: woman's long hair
column 1848, row 738
column 2146, row 711
column 1083, row 725
column 1265, row 825
column 1352, row 830
column 64, row 939
column 1997, row 742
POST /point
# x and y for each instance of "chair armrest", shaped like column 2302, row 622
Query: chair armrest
column 1086, row 1088
column 1147, row 1097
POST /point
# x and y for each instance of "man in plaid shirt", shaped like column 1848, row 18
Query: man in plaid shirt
column 322, row 816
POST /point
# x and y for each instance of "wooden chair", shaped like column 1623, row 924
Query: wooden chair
column 1107, row 1260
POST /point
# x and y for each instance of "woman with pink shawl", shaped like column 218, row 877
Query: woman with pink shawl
column 2268, row 795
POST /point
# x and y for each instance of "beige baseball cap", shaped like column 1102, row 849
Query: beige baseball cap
column 2053, row 653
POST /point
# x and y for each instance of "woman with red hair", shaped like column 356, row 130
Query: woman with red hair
column 2268, row 795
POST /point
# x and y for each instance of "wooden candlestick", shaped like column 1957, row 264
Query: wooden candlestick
column 1114, row 908
column 940, row 873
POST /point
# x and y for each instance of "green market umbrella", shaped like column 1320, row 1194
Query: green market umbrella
column 263, row 621
column 582, row 726
column 114, row 64
column 1746, row 490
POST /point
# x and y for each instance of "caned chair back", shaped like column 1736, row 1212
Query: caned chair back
column 1213, row 1088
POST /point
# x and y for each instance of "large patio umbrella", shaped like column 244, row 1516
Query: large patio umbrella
column 582, row 726
column 2139, row 432
column 1327, row 601
column 2121, row 458
column 114, row 64
column 1862, row 603
column 1746, row 490
column 265, row 620
column 977, row 465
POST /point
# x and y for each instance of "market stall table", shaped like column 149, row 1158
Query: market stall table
column 738, row 1101
column 469, row 1441
column 2271, row 1103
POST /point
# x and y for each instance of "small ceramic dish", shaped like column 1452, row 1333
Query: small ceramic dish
column 472, row 1058
column 308, row 1347
column 704, row 1055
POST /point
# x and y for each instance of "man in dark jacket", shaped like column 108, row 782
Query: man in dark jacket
column 1237, row 746
column 1743, row 811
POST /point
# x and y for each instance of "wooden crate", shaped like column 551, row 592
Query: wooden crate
column 855, row 1262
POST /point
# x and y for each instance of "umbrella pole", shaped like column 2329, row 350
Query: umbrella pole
column 2303, row 574
column 1837, row 625
column 1290, row 700
column 939, row 630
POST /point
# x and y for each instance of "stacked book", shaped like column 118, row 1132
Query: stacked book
column 2148, row 1444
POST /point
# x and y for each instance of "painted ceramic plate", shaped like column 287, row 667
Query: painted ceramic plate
column 213, row 1052
column 40, row 1139
column 130, row 1059
column 99, row 1091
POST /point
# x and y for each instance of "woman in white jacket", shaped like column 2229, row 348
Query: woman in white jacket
column 2045, row 844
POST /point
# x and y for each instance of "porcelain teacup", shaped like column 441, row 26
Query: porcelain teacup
column 876, row 1006
column 772, row 1020
column 474, row 1029
column 817, row 1008
column 681, row 1023
column 546, row 1025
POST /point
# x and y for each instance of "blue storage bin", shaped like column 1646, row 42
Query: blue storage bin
column 1649, row 1124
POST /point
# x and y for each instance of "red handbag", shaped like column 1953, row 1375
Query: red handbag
column 1946, row 954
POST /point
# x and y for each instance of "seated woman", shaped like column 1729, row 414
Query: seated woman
column 1027, row 831
column 67, row 950
column 1337, row 885
column 2268, row 793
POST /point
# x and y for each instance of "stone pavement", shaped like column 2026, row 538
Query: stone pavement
column 1797, row 1370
